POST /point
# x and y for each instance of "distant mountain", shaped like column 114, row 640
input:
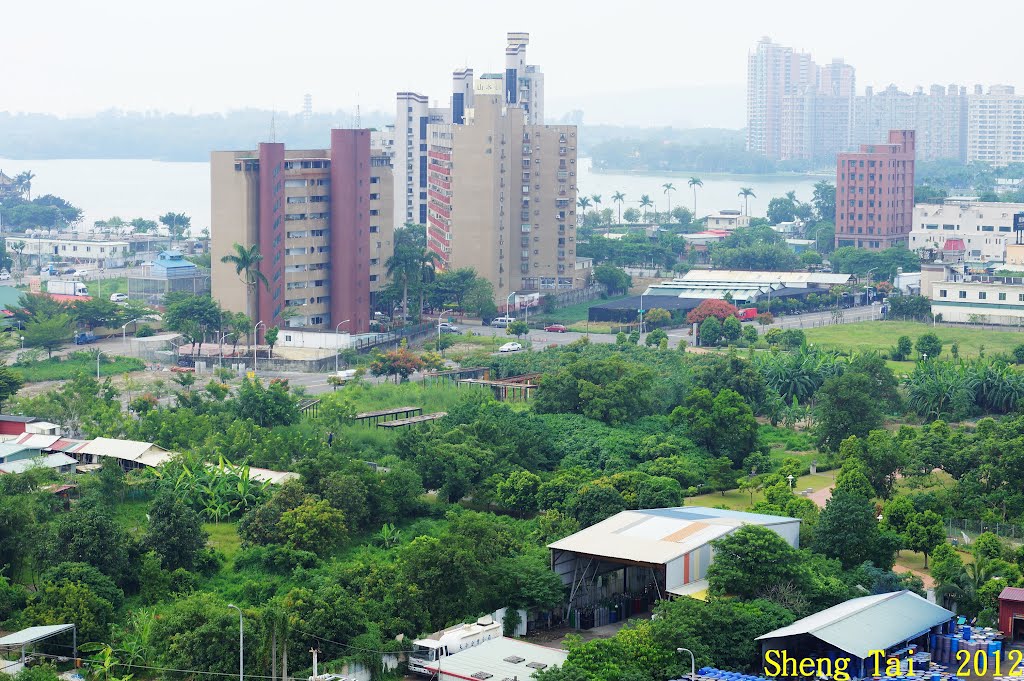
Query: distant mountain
column 169, row 137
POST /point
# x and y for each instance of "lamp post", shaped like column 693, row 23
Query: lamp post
column 22, row 342
column 441, row 314
column 693, row 661
column 508, row 302
column 222, row 337
column 98, row 353
column 791, row 480
column 124, row 330
column 337, row 343
column 241, row 644
column 255, row 344
column 868, row 287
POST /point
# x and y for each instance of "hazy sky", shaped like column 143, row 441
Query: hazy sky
column 73, row 57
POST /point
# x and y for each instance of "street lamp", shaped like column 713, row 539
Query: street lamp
column 22, row 342
column 693, row 661
column 337, row 342
column 222, row 337
column 124, row 330
column 441, row 314
column 255, row 344
column 241, row 643
column 508, row 302
column 791, row 480
column 98, row 353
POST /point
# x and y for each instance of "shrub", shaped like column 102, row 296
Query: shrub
column 145, row 331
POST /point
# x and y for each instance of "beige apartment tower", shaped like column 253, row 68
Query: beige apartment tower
column 502, row 197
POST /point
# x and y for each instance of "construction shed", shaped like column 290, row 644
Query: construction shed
column 129, row 453
column 641, row 556
column 1011, row 613
column 897, row 623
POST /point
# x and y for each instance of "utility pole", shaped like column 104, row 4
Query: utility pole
column 241, row 644
column 315, row 652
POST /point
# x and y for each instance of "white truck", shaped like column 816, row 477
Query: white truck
column 67, row 288
column 451, row 641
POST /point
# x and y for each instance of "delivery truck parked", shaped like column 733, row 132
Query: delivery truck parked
column 67, row 288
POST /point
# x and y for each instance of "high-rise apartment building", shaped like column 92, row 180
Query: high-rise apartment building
column 938, row 117
column 503, row 196
column 773, row 73
column 995, row 126
column 309, row 211
column 520, row 85
column 382, row 222
column 875, row 193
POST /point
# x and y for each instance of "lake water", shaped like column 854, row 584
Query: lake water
column 140, row 188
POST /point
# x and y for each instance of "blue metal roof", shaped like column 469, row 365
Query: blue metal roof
column 173, row 260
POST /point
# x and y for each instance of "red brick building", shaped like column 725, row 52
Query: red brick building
column 875, row 194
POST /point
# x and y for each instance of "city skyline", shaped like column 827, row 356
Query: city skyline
column 90, row 66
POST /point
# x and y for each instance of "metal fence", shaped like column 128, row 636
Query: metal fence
column 964, row 532
column 394, row 337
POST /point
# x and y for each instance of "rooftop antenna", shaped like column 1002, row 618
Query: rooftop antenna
column 273, row 126
column 358, row 117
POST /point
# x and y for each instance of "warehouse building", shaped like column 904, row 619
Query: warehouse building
column 647, row 555
column 895, row 623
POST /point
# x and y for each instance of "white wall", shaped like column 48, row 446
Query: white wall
column 319, row 340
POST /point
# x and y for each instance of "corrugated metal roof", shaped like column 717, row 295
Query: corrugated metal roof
column 789, row 278
column 489, row 657
column 33, row 634
column 657, row 536
column 36, row 440
column 1012, row 593
column 47, row 461
column 861, row 625
column 11, row 448
column 120, row 449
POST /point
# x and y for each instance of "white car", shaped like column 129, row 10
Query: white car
column 119, row 297
column 510, row 347
column 81, row 273
column 4, row 275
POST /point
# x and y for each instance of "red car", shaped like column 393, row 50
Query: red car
column 555, row 328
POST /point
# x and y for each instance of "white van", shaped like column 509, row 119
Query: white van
column 119, row 297
column 502, row 322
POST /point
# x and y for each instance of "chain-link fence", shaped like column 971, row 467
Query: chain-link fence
column 964, row 532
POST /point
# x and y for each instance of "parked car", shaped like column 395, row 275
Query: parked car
column 510, row 347
column 502, row 322
column 4, row 275
column 82, row 273
column 119, row 297
column 84, row 338
column 447, row 327
column 555, row 328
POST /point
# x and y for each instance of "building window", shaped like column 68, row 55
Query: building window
column 963, row 294
column 1002, row 296
column 942, row 293
column 982, row 295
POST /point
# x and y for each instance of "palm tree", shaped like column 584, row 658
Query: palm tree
column 584, row 203
column 619, row 197
column 695, row 182
column 746, row 193
column 645, row 203
column 24, row 182
column 965, row 587
column 669, row 188
column 246, row 262
column 791, row 195
column 429, row 262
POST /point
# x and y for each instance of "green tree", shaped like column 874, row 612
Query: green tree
column 270, row 337
column 246, row 262
column 724, row 425
column 925, row 532
column 100, row 584
column 751, row 561
column 595, row 502
column 612, row 278
column 710, row 332
column 314, row 526
column 70, row 602
column 898, row 513
column 645, row 203
column 846, row 407
column 50, row 334
column 267, row 406
column 400, row 363
column 848, row 531
column 656, row 317
column 177, row 224
column 781, row 210
column 903, row 348
column 929, row 345
column 88, row 534
column 746, row 193
column 10, row 383
column 853, row 479
column 824, row 200
column 175, row 532
column 732, row 329
column 654, row 338
column 518, row 491
column 517, row 329
column 631, row 215
column 619, row 197
column 609, row 390
column 693, row 183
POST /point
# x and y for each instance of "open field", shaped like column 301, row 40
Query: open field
column 739, row 500
column 881, row 336
column 65, row 368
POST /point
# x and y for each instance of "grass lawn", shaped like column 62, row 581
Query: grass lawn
column 60, row 369
column 224, row 537
column 571, row 314
column 131, row 517
column 738, row 500
column 864, row 336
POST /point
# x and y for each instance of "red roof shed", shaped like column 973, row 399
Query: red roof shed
column 1011, row 612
